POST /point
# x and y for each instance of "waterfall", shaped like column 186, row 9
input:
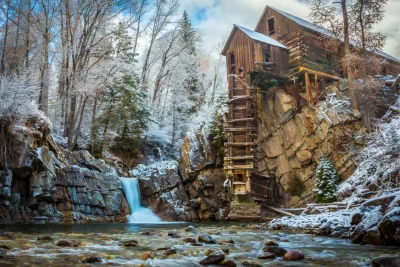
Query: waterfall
column 139, row 214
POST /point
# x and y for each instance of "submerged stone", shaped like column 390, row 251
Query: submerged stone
column 293, row 255
column 214, row 258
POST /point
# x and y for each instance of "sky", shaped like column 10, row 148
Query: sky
column 215, row 18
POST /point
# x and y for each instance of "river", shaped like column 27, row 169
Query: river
column 105, row 240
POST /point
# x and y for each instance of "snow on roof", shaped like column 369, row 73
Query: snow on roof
column 312, row 26
column 260, row 37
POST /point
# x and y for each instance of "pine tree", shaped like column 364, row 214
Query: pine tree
column 325, row 182
column 191, row 82
column 393, row 144
column 125, row 111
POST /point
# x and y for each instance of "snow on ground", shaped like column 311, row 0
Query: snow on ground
column 340, row 218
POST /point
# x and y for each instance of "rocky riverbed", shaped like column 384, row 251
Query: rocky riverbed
column 176, row 244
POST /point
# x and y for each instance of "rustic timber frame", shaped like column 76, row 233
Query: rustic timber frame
column 282, row 48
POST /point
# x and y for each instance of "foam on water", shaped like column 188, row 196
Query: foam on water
column 139, row 214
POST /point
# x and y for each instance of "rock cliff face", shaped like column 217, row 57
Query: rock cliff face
column 43, row 184
column 290, row 143
column 189, row 190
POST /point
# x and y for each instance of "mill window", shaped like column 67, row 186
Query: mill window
column 271, row 26
column 331, row 64
column 232, row 63
column 267, row 54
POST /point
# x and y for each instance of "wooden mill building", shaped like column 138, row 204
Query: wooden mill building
column 282, row 48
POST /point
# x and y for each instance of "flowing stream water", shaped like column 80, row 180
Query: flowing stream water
column 106, row 241
column 139, row 214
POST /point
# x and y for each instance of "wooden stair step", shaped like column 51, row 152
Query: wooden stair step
column 239, row 158
column 239, row 144
column 240, row 120
column 240, row 129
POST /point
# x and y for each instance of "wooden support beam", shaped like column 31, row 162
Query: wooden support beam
column 236, row 98
column 239, row 144
column 239, row 158
column 240, row 129
column 241, row 120
column 319, row 73
column 239, row 167
column 308, row 89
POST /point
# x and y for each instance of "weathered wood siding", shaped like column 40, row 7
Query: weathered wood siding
column 316, row 54
column 242, row 47
column 283, row 25
column 248, row 51
column 295, row 42
column 392, row 68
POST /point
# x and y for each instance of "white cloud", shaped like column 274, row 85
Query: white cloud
column 220, row 15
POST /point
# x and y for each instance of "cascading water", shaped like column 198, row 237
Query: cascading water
column 139, row 214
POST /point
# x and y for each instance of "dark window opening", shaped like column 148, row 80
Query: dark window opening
column 271, row 26
column 331, row 64
column 240, row 177
column 267, row 54
column 232, row 63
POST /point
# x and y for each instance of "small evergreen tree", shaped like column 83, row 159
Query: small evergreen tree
column 325, row 182
column 393, row 143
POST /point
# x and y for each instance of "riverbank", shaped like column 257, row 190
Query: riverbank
column 173, row 245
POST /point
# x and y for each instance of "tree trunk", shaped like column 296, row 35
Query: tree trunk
column 3, row 52
column 78, row 128
column 93, row 126
column 350, row 76
column 44, row 75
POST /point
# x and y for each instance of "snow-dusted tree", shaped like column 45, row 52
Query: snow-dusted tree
column 124, row 115
column 393, row 140
column 191, row 81
column 325, row 181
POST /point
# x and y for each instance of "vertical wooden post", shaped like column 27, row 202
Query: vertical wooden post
column 316, row 86
column 308, row 89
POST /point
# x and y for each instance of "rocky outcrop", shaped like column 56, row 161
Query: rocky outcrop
column 43, row 184
column 291, row 143
column 189, row 190
column 378, row 221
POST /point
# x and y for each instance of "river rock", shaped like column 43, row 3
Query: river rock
column 190, row 240
column 386, row 262
column 207, row 252
column 389, row 227
column 373, row 237
column 205, row 238
column 129, row 243
column 226, row 241
column 369, row 222
column 227, row 263
column 147, row 255
column 45, row 238
column 251, row 264
column 91, row 259
column 192, row 229
column 4, row 246
column 172, row 233
column 271, row 243
column 68, row 243
column 266, row 256
column 214, row 258
column 279, row 252
column 293, row 255
column 325, row 229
